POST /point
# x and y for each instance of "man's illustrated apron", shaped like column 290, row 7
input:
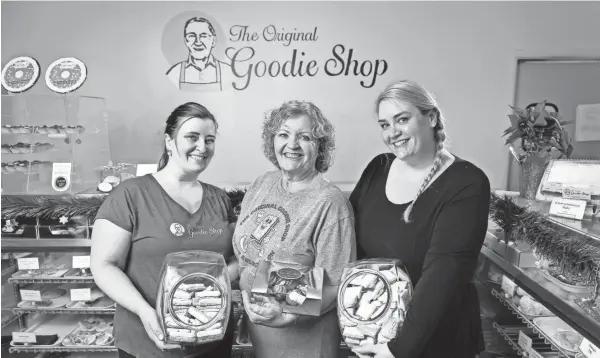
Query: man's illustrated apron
column 200, row 87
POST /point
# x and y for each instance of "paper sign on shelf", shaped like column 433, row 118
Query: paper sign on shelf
column 525, row 342
column 587, row 123
column 81, row 294
column 81, row 261
column 588, row 349
column 568, row 208
column 31, row 295
column 508, row 286
column 24, row 337
column 28, row 263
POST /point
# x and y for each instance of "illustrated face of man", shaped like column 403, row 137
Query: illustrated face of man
column 199, row 40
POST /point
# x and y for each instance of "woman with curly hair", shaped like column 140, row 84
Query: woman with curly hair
column 295, row 218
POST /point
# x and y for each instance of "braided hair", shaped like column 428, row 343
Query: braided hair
column 413, row 93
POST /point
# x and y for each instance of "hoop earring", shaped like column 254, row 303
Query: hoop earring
column 169, row 152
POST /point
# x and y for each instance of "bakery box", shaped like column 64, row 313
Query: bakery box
column 298, row 290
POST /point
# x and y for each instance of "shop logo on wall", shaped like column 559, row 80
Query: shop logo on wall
column 199, row 68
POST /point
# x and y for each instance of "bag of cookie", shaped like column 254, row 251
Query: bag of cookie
column 194, row 297
column 298, row 289
column 373, row 299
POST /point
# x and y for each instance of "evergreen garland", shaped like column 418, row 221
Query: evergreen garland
column 576, row 254
column 49, row 207
column 53, row 207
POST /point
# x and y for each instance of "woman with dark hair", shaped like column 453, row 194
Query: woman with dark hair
column 425, row 206
column 145, row 218
column 292, row 216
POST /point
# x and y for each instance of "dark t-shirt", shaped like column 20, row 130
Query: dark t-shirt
column 159, row 226
column 439, row 248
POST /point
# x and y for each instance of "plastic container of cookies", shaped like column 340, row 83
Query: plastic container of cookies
column 373, row 299
column 194, row 297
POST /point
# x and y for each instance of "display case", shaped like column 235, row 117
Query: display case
column 50, row 305
column 53, row 144
column 50, row 237
column 542, row 289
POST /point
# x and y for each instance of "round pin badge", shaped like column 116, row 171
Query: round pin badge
column 66, row 75
column 20, row 74
column 177, row 229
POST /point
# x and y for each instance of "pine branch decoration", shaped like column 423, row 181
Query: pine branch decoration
column 50, row 207
column 53, row 207
column 576, row 254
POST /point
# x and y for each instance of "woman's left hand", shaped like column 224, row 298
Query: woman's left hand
column 266, row 311
column 373, row 350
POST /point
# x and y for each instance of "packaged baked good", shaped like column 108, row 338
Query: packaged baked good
column 91, row 331
column 373, row 299
column 298, row 289
column 194, row 297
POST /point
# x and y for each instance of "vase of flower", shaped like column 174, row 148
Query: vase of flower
column 532, row 171
column 540, row 133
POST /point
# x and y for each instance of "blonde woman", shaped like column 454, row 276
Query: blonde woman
column 428, row 208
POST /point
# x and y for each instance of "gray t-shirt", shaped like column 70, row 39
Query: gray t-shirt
column 159, row 226
column 314, row 227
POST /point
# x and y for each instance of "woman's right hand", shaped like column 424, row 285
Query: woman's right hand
column 149, row 319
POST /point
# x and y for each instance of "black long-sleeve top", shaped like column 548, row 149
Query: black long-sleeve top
column 439, row 249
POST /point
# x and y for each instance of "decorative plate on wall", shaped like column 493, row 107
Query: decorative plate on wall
column 66, row 75
column 20, row 74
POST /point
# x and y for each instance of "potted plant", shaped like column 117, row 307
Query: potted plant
column 540, row 132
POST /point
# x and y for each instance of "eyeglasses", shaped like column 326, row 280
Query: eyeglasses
column 193, row 37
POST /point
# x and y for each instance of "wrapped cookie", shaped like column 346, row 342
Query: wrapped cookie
column 352, row 296
column 181, row 294
column 352, row 332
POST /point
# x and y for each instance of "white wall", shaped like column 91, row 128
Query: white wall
column 464, row 52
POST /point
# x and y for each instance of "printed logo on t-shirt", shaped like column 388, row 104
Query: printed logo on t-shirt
column 177, row 229
column 252, row 242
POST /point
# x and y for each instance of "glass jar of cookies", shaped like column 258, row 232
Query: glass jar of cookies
column 373, row 298
column 194, row 297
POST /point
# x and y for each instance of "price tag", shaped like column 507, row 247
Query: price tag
column 534, row 354
column 508, row 286
column 81, row 261
column 28, row 263
column 61, row 176
column 568, row 208
column 23, row 337
column 570, row 192
column 143, row 169
column 81, row 294
column 525, row 342
column 31, row 295
column 588, row 349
